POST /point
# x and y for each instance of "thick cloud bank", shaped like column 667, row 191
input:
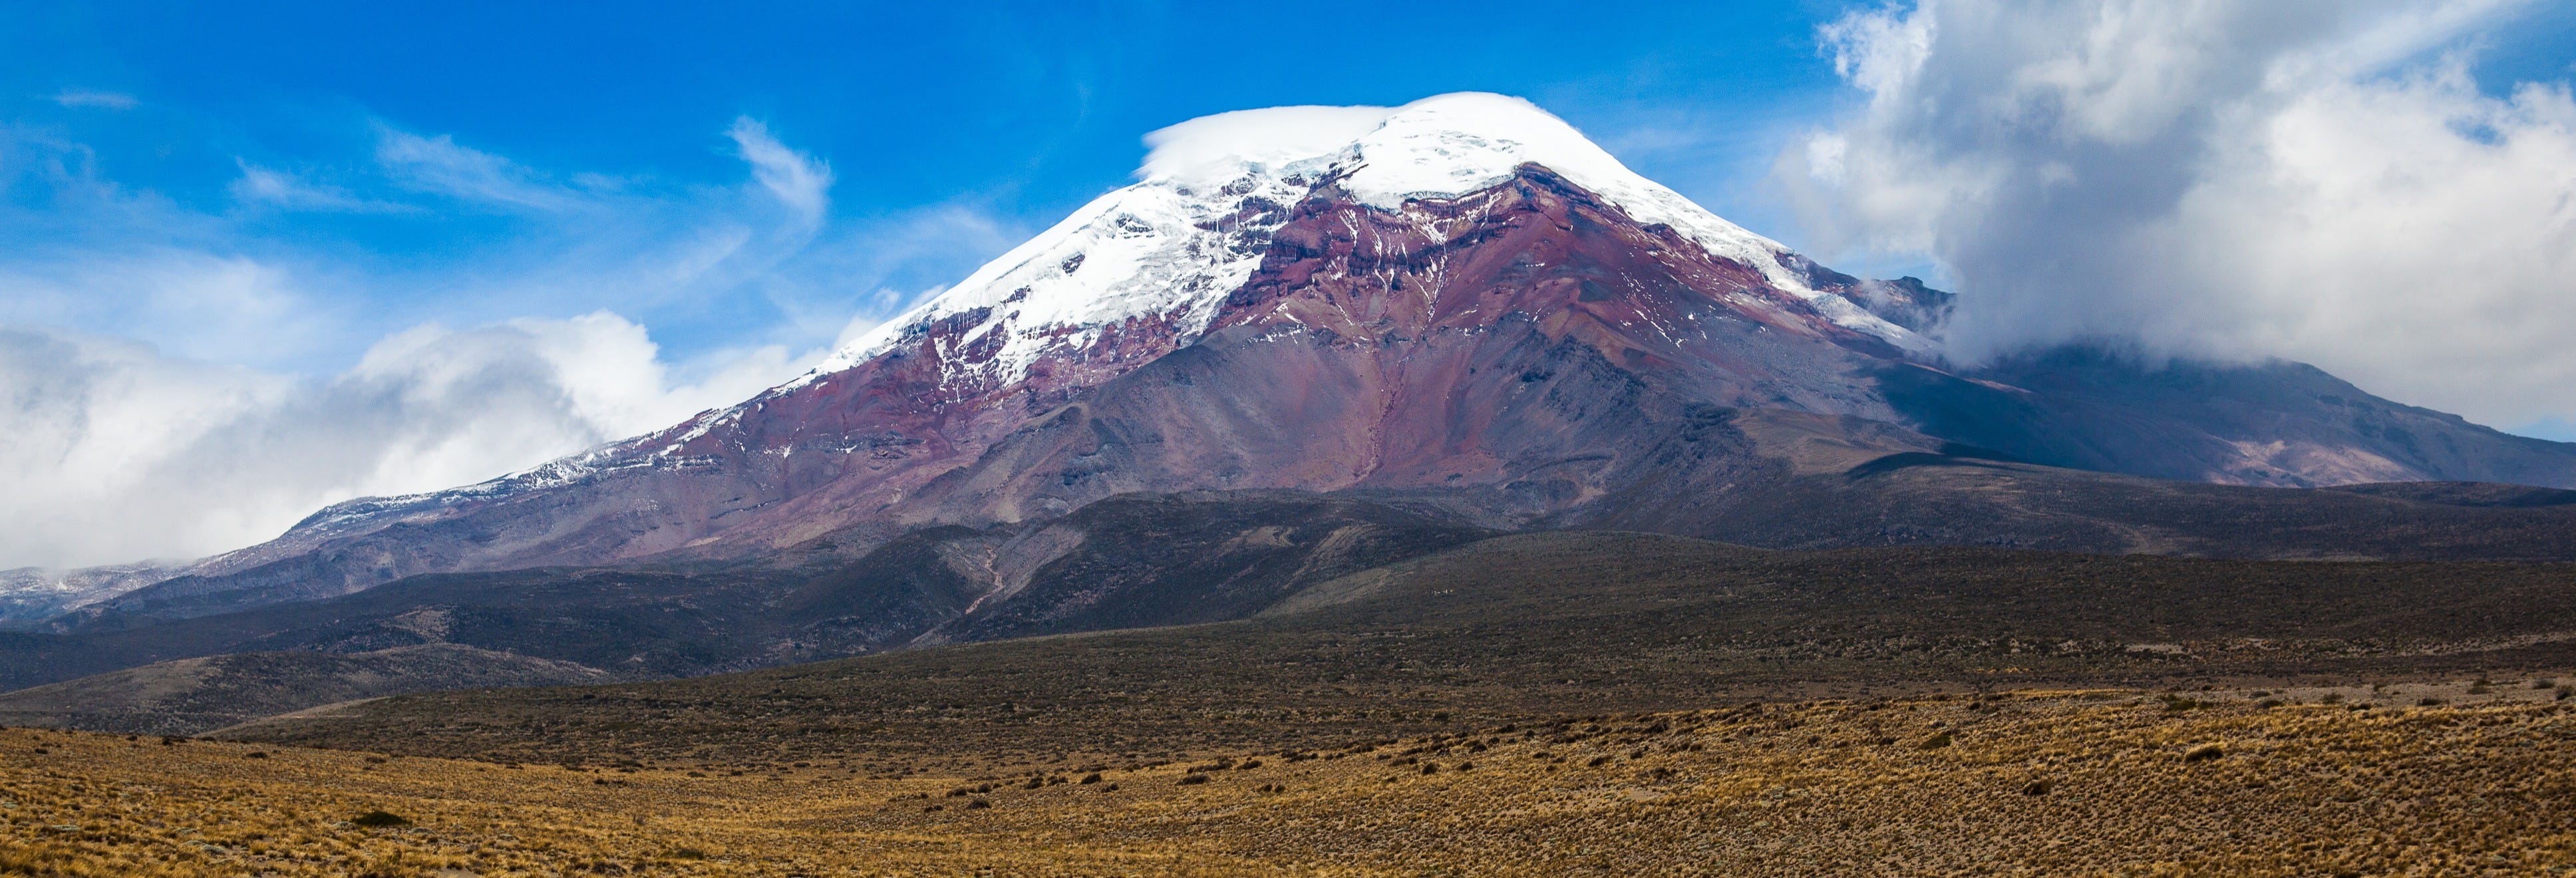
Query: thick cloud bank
column 2321, row 181
column 116, row 452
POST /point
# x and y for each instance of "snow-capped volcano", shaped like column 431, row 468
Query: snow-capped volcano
column 1460, row 300
column 1169, row 249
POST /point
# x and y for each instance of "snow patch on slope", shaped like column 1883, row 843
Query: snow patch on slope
column 29, row 594
column 1157, row 249
column 1459, row 143
column 1147, row 250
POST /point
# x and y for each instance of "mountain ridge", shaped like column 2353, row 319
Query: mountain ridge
column 1423, row 305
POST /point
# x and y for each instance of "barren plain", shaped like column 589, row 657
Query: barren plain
column 2450, row 777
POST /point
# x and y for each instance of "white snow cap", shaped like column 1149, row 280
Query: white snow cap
column 1141, row 251
column 1440, row 146
column 1149, row 250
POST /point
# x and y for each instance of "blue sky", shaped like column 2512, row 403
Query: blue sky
column 1006, row 115
column 988, row 119
column 260, row 257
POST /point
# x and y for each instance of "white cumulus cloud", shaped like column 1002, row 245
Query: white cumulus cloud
column 2320, row 181
column 117, row 452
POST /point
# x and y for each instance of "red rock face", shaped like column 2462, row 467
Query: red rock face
column 1527, row 353
column 1525, row 336
column 1536, row 245
column 1494, row 340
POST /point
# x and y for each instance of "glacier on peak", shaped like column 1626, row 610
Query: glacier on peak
column 1172, row 246
column 1157, row 249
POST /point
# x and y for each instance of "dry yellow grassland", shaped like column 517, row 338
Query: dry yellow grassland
column 2358, row 781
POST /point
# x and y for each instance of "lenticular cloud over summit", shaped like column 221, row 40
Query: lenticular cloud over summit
column 2323, row 182
column 1211, row 150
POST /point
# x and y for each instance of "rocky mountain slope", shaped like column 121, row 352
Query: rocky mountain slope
column 1159, row 560
column 1133, row 561
column 1461, row 297
column 1527, row 626
column 30, row 595
column 189, row 696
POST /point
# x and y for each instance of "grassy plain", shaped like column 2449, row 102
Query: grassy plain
column 2434, row 778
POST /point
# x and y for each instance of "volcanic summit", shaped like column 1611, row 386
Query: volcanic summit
column 1459, row 304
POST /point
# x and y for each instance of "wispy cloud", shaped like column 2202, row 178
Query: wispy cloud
column 438, row 166
column 186, row 301
column 100, row 100
column 799, row 181
column 258, row 185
